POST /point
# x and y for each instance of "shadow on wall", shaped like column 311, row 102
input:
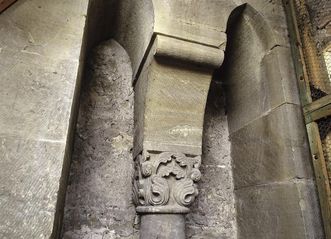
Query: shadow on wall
column 272, row 172
column 272, row 176
column 213, row 213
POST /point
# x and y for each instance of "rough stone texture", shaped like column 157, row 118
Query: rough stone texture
column 98, row 203
column 213, row 214
column 171, row 94
column 279, row 210
column 273, row 14
column 319, row 11
column 162, row 226
column 264, row 81
column 40, row 53
column 260, row 84
column 272, row 148
column 29, row 173
column 134, row 28
column 194, row 20
column 39, row 64
column 269, row 144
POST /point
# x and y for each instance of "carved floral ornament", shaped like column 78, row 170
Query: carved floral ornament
column 165, row 182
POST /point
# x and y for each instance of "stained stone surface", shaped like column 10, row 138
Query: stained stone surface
column 269, row 147
column 40, row 53
column 213, row 213
column 272, row 148
column 259, row 70
column 99, row 192
column 28, row 197
column 40, row 56
column 280, row 210
column 98, row 203
column 320, row 16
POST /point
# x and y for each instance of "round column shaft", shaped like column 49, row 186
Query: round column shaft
column 162, row 226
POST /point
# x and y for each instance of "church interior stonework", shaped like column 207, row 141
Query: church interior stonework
column 165, row 119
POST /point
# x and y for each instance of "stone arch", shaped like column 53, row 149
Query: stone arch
column 273, row 179
column 135, row 28
column 274, row 186
column 254, row 39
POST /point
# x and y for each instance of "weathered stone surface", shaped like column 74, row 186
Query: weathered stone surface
column 196, row 21
column 278, row 71
column 269, row 145
column 29, row 176
column 39, row 68
column 165, row 182
column 175, row 109
column 36, row 68
column 257, row 77
column 163, row 226
column 272, row 148
column 99, row 193
column 213, row 214
column 134, row 28
column 320, row 17
column 37, row 104
column 274, row 15
column 280, row 210
column 40, row 55
column 170, row 98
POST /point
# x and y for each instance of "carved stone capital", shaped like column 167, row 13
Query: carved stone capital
column 165, row 182
column 170, row 97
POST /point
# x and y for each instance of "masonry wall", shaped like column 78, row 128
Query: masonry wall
column 40, row 62
column 40, row 66
column 273, row 177
column 99, row 198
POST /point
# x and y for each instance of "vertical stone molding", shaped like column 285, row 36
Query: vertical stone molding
column 170, row 98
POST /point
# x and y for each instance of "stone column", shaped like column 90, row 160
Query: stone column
column 170, row 97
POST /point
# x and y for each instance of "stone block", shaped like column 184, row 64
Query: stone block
column 258, row 73
column 134, row 28
column 278, row 79
column 41, row 54
column 272, row 148
column 273, row 13
column 281, row 210
column 38, row 104
column 30, row 174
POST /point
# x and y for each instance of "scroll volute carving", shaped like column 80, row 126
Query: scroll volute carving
column 165, row 182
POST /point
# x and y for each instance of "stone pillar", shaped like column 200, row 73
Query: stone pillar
column 170, row 97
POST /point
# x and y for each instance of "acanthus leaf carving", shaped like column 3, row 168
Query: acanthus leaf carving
column 166, row 180
column 185, row 192
column 156, row 191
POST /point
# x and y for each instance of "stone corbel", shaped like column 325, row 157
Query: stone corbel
column 170, row 97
